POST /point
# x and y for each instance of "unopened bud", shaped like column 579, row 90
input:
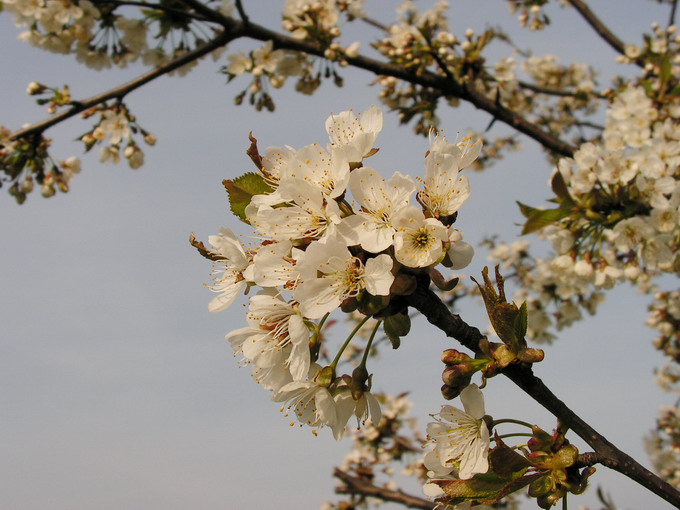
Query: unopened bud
column 454, row 357
column 458, row 375
column 34, row 88
column 450, row 392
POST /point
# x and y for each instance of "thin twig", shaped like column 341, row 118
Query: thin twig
column 601, row 28
column 437, row 313
column 235, row 29
column 242, row 13
column 671, row 18
column 560, row 93
column 375, row 23
column 121, row 91
column 355, row 485
column 157, row 7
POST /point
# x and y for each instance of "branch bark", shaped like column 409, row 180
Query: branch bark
column 355, row 485
column 438, row 314
column 599, row 27
column 234, row 29
column 122, row 90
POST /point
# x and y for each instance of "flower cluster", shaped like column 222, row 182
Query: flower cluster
column 26, row 161
column 116, row 126
column 322, row 250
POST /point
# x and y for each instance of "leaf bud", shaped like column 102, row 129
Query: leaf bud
column 508, row 321
column 531, row 355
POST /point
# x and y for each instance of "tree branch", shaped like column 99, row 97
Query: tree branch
column 600, row 27
column 449, row 87
column 122, row 90
column 355, row 485
column 437, row 313
column 234, row 29
column 671, row 17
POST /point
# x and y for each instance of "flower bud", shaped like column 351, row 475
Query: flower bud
column 458, row 375
column 454, row 357
column 34, row 88
column 451, row 392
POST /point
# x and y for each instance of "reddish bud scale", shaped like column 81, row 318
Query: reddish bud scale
column 454, row 357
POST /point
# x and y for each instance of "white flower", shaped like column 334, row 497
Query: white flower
column 418, row 241
column 460, row 253
column 312, row 403
column 380, row 200
column 276, row 334
column 462, row 437
column 328, row 172
column 358, row 134
column 308, row 214
column 115, row 125
column 275, row 264
column 266, row 59
column 366, row 407
column 444, row 191
column 227, row 273
column 330, row 274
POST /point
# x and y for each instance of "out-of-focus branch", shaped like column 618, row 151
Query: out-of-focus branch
column 448, row 86
column 355, row 485
column 233, row 29
column 671, row 17
column 600, row 27
column 122, row 90
column 559, row 93
column 147, row 5
column 438, row 314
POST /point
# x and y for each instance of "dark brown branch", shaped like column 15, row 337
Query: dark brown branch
column 122, row 90
column 355, row 485
column 234, row 29
column 147, row 5
column 242, row 13
column 671, row 17
column 600, row 27
column 437, row 313
column 449, row 87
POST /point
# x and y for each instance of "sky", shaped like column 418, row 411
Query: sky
column 119, row 390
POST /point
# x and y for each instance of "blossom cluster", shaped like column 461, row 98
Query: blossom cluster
column 618, row 216
column 27, row 162
column 322, row 250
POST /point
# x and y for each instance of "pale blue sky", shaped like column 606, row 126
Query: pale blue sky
column 119, row 391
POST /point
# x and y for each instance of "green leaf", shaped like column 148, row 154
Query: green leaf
column 487, row 489
column 649, row 88
column 565, row 457
column 526, row 210
column 521, row 321
column 506, row 462
column 392, row 335
column 242, row 189
column 399, row 323
column 559, row 186
column 541, row 218
column 665, row 68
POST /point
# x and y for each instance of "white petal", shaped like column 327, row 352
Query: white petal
column 473, row 401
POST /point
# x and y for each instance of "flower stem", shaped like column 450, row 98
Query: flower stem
column 510, row 420
column 368, row 345
column 520, row 434
column 335, row 361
